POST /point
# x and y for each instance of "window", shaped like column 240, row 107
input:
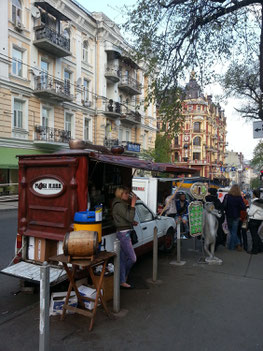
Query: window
column 145, row 141
column 66, row 33
column 197, row 141
column 176, row 157
column 87, row 129
column 197, row 127
column 120, row 135
column 86, row 84
column 85, row 51
column 44, row 74
column 143, row 213
column 176, row 140
column 45, row 117
column 69, row 122
column 196, row 156
column 67, row 76
column 18, row 114
column 17, row 68
column 16, row 12
column 127, row 135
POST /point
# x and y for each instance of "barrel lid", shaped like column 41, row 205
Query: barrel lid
column 84, row 216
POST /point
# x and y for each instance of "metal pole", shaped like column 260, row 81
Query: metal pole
column 155, row 254
column 44, row 337
column 178, row 230
column 116, row 290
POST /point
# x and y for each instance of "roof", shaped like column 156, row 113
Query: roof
column 119, row 160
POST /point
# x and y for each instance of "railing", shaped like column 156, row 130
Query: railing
column 113, row 71
column 8, row 189
column 52, row 134
column 53, row 36
column 132, row 116
column 133, row 83
column 46, row 83
column 113, row 106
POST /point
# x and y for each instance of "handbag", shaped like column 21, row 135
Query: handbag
column 134, row 237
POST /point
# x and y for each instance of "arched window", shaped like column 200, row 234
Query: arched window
column 16, row 11
column 66, row 33
column 197, row 127
column 85, row 51
column 197, row 141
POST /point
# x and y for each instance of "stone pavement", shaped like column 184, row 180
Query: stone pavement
column 196, row 307
column 8, row 205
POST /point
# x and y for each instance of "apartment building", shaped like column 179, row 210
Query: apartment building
column 66, row 73
column 201, row 143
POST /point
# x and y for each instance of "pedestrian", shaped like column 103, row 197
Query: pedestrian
column 170, row 206
column 182, row 211
column 242, row 226
column 255, row 215
column 233, row 204
column 212, row 197
column 123, row 215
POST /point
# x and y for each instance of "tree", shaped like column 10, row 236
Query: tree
column 162, row 150
column 176, row 35
column 257, row 160
column 242, row 81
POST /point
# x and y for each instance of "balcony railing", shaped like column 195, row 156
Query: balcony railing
column 112, row 73
column 50, row 40
column 132, row 117
column 128, row 145
column 130, row 85
column 51, row 88
column 52, row 135
column 113, row 108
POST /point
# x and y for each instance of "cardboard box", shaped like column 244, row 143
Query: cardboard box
column 87, row 291
column 44, row 249
column 107, row 286
column 57, row 302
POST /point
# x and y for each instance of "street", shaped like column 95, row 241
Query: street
column 11, row 299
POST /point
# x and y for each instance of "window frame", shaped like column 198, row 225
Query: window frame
column 17, row 61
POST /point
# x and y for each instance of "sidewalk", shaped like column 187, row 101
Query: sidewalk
column 197, row 307
column 8, row 205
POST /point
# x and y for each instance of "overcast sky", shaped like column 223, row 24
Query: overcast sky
column 239, row 132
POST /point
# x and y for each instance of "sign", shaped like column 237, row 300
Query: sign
column 258, row 129
column 195, row 210
column 47, row 186
column 134, row 147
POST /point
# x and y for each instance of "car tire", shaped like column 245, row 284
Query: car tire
column 168, row 241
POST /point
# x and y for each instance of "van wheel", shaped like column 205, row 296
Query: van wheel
column 168, row 241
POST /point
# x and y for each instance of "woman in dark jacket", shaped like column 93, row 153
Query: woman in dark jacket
column 123, row 215
column 212, row 197
column 233, row 204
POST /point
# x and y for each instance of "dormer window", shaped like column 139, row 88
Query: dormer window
column 17, row 12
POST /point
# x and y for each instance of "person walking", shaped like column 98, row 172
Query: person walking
column 170, row 206
column 233, row 204
column 212, row 197
column 242, row 226
column 255, row 215
column 123, row 215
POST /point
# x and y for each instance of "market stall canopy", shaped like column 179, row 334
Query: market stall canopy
column 172, row 168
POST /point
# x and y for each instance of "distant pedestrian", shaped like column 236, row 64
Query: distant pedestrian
column 233, row 204
column 242, row 226
column 212, row 197
column 255, row 214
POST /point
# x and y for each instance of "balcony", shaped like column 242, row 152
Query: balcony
column 47, row 39
column 130, row 85
column 112, row 73
column 113, row 109
column 51, row 135
column 198, row 162
column 51, row 88
column 131, row 117
column 128, row 145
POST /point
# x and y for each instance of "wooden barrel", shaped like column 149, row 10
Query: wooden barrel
column 81, row 243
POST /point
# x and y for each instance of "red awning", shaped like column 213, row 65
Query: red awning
column 133, row 162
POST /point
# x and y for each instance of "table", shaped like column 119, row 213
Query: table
column 102, row 258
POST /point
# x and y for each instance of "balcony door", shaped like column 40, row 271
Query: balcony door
column 44, row 74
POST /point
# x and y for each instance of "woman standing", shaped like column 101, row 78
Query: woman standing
column 123, row 215
column 255, row 214
column 233, row 204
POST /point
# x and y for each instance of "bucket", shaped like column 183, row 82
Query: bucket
column 86, row 220
column 80, row 243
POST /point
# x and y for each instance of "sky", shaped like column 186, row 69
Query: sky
column 239, row 131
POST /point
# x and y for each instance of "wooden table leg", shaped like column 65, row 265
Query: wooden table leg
column 98, row 293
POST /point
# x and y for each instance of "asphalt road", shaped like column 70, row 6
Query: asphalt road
column 11, row 298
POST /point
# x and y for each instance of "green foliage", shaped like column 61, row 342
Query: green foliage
column 174, row 36
column 255, row 183
column 161, row 152
column 257, row 160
